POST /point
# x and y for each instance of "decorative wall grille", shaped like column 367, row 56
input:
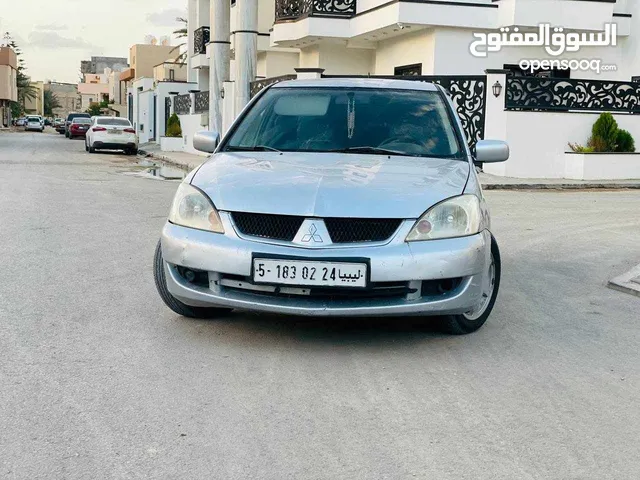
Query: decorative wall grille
column 182, row 104
column 200, row 40
column 258, row 85
column 293, row 9
column 201, row 102
column 560, row 94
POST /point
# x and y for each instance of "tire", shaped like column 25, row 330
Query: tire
column 472, row 321
column 86, row 147
column 173, row 303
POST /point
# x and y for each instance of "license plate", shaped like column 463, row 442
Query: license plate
column 309, row 273
column 115, row 131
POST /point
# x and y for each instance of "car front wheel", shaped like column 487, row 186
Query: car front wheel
column 472, row 320
column 173, row 303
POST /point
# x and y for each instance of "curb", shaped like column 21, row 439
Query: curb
column 628, row 282
column 561, row 186
column 169, row 160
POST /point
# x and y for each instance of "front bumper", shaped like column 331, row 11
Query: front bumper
column 227, row 254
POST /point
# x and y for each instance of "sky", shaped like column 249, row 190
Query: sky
column 56, row 35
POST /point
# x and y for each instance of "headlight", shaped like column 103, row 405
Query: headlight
column 192, row 208
column 456, row 217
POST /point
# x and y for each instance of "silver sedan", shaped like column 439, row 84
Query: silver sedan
column 336, row 198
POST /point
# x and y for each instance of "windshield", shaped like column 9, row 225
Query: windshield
column 121, row 122
column 81, row 120
column 33, row 119
column 350, row 120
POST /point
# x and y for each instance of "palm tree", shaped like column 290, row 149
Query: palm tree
column 182, row 32
column 50, row 102
column 25, row 89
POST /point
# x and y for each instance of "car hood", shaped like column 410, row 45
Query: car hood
column 328, row 184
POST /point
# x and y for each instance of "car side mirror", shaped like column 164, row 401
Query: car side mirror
column 206, row 141
column 491, row 151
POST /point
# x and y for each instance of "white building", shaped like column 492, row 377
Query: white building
column 252, row 40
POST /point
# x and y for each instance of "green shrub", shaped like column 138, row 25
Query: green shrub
column 604, row 134
column 606, row 137
column 598, row 144
column 576, row 147
column 625, row 142
column 173, row 126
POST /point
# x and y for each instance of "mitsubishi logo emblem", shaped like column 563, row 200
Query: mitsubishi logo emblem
column 312, row 235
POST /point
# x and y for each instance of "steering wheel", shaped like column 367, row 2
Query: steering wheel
column 404, row 139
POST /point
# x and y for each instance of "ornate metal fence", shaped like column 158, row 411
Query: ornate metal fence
column 292, row 9
column 559, row 94
column 200, row 40
column 201, row 102
column 258, row 85
column 182, row 104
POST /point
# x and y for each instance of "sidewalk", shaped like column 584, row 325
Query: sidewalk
column 187, row 161
column 489, row 182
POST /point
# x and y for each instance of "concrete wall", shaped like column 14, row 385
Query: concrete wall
column 68, row 98
column 539, row 140
column 145, row 57
column 161, row 73
column 409, row 49
column 8, row 85
column 35, row 105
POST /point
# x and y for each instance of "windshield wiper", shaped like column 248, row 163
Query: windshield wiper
column 372, row 150
column 257, row 148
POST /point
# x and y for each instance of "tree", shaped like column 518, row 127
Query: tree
column 94, row 109
column 50, row 102
column 182, row 32
column 25, row 89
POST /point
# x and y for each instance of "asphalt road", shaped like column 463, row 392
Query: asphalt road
column 98, row 380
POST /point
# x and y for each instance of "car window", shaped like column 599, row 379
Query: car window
column 33, row 119
column 82, row 120
column 115, row 121
column 321, row 119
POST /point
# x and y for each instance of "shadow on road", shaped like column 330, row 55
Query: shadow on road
column 271, row 329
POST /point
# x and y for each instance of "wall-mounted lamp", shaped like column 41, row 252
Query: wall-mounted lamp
column 497, row 89
column 222, row 92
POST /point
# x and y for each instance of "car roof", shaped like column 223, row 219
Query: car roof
column 364, row 82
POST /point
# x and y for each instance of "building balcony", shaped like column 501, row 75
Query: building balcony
column 200, row 40
column 287, row 10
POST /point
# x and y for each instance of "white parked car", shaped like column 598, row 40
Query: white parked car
column 34, row 122
column 111, row 133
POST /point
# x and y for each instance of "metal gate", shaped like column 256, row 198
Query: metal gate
column 167, row 112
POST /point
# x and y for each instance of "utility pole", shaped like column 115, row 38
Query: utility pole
column 246, row 39
column 220, row 59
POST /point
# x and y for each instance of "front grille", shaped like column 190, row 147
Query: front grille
column 341, row 230
column 356, row 230
column 277, row 227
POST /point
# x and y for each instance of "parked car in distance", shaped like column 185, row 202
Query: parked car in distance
column 21, row 122
column 79, row 127
column 59, row 125
column 111, row 133
column 346, row 197
column 47, row 122
column 34, row 122
column 70, row 118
